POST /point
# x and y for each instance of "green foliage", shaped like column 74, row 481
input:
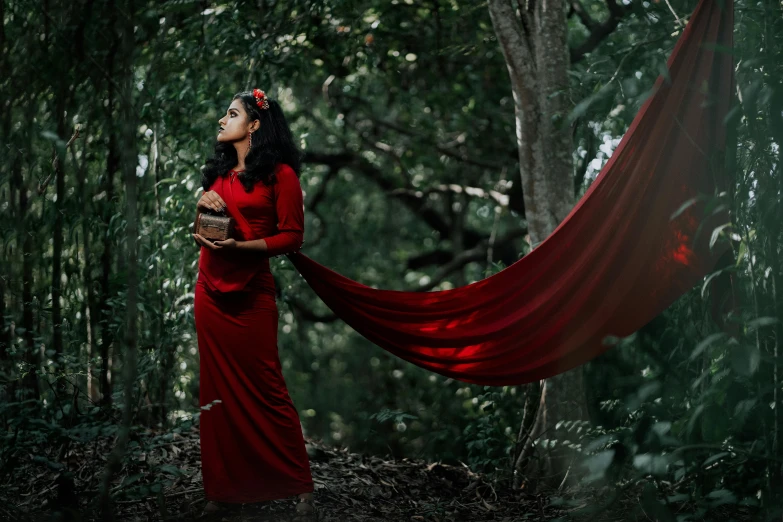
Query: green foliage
column 416, row 96
column 491, row 430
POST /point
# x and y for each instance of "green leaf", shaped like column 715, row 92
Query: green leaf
column 662, row 428
column 598, row 464
column 741, row 251
column 714, row 423
column 654, row 508
column 717, row 232
column 721, row 497
column 703, row 345
column 709, row 279
column 683, row 208
column 745, row 360
column 130, row 479
column 695, row 416
column 166, row 181
column 581, row 108
column 207, row 407
column 54, row 466
column 743, row 408
column 172, row 470
column 760, row 322
column 651, row 463
column 715, row 458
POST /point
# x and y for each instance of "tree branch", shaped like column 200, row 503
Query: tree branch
column 446, row 151
column 497, row 197
column 56, row 162
column 516, row 51
column 477, row 253
column 417, row 205
column 578, row 9
column 598, row 31
column 433, row 257
column 315, row 199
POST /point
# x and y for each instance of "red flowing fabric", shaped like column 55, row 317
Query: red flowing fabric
column 615, row 262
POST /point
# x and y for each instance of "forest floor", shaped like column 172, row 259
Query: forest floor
column 348, row 487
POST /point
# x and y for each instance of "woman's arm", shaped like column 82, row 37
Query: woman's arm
column 289, row 204
column 258, row 245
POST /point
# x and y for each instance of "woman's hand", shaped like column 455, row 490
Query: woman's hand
column 228, row 244
column 211, row 201
column 201, row 240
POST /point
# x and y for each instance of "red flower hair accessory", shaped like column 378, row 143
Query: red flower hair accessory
column 260, row 97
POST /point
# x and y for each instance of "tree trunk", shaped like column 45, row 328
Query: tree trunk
column 90, row 314
column 166, row 355
column 534, row 44
column 128, row 161
column 775, row 119
column 29, row 384
column 4, row 337
column 5, row 275
column 30, row 381
column 57, row 268
column 106, row 257
column 9, row 271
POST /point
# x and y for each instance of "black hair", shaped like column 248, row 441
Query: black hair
column 272, row 143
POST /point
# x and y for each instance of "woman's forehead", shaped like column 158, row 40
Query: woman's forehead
column 236, row 104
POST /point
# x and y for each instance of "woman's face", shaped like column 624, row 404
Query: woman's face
column 234, row 125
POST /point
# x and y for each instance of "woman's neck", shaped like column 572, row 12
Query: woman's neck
column 242, row 150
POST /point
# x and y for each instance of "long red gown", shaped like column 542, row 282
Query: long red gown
column 252, row 448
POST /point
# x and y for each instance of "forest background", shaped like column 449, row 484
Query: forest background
column 406, row 117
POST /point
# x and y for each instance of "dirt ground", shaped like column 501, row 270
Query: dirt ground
column 348, row 487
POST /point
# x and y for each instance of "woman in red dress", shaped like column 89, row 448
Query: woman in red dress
column 252, row 448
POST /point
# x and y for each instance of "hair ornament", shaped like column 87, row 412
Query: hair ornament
column 261, row 99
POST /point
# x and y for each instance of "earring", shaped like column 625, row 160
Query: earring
column 250, row 143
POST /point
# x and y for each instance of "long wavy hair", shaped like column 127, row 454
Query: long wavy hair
column 272, row 144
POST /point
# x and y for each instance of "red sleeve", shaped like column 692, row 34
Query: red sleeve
column 289, row 204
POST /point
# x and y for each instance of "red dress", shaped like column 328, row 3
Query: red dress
column 252, row 448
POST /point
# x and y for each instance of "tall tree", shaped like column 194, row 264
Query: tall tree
column 533, row 36
column 107, row 211
column 128, row 161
